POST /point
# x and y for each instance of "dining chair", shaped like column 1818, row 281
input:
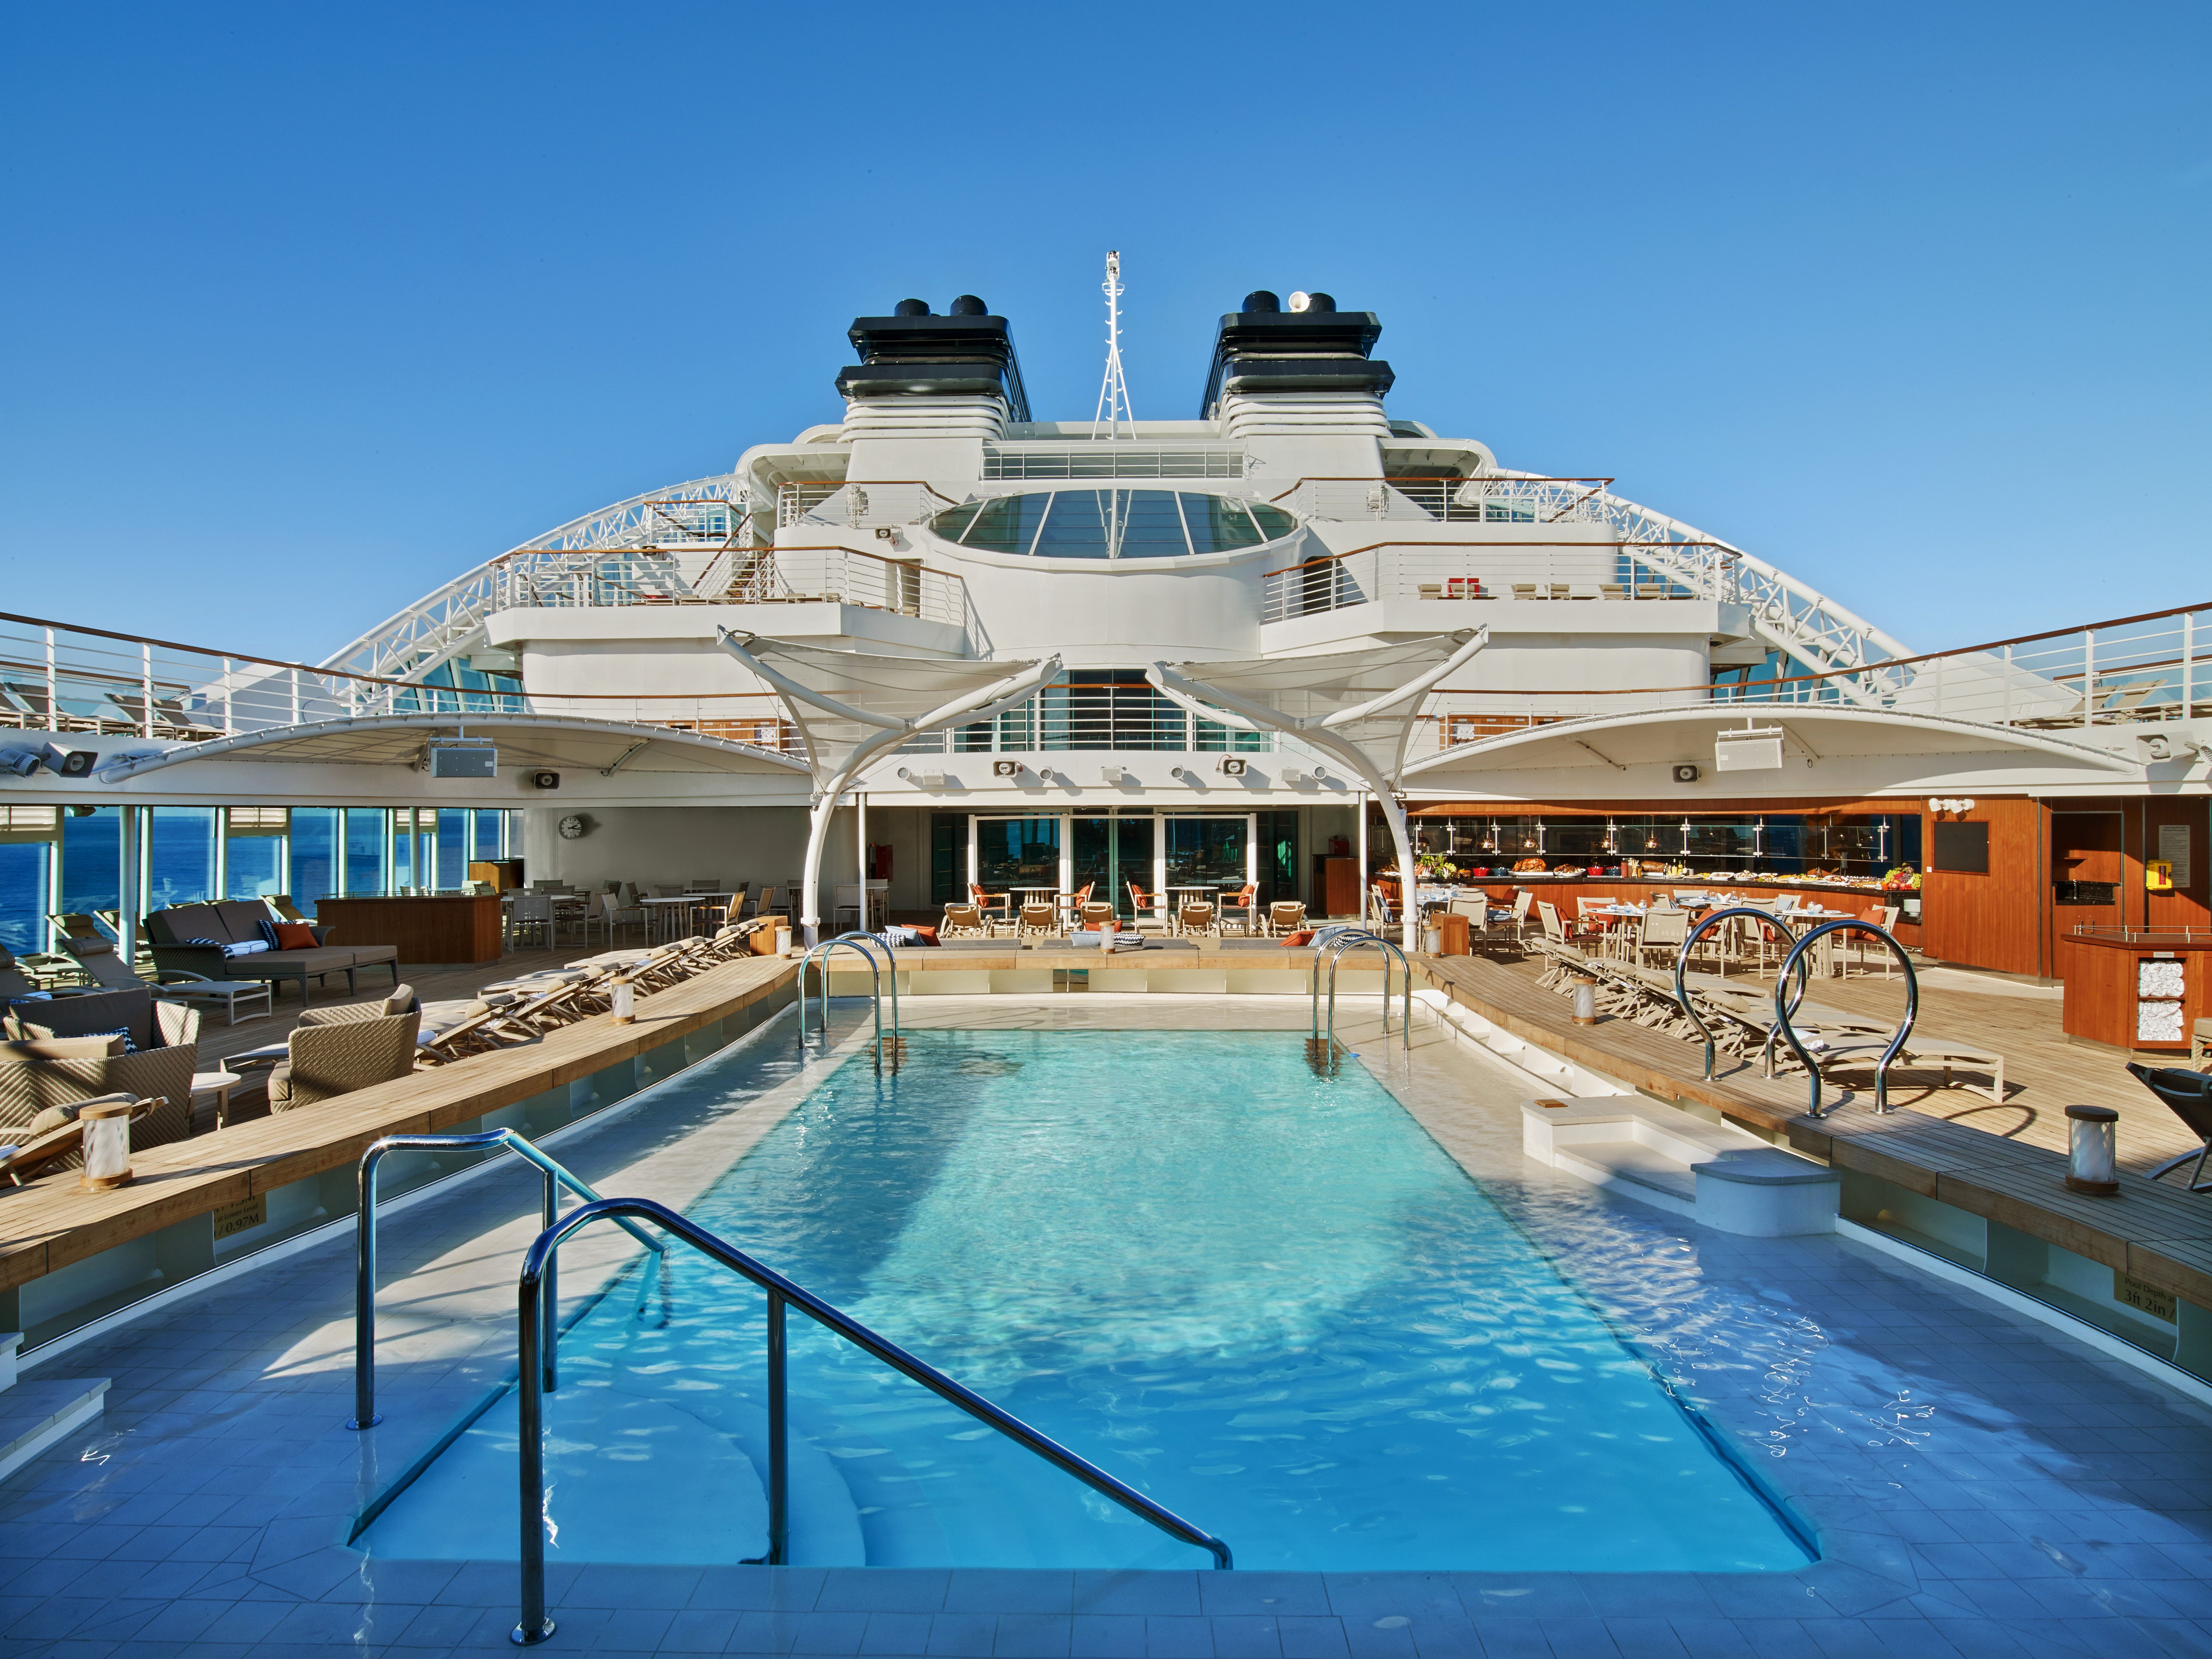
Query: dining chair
column 1238, row 908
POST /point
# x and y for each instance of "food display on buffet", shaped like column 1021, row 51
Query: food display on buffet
column 1901, row 880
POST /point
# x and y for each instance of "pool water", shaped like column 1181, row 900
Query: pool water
column 1265, row 1298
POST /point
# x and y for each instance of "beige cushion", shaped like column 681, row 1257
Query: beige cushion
column 75, row 1048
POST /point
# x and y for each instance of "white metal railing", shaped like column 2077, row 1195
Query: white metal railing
column 2129, row 671
column 793, row 575
column 893, row 502
column 1813, row 629
column 668, row 528
column 59, row 679
column 1479, row 570
column 1110, row 459
column 1098, row 716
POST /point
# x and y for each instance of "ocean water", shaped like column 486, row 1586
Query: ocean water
column 1266, row 1299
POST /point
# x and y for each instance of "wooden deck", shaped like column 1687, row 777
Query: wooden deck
column 2158, row 1232
column 50, row 1224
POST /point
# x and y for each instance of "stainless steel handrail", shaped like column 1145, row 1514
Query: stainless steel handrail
column 1682, row 965
column 532, row 1338
column 365, row 1415
column 1336, row 944
column 1896, row 1043
column 867, row 945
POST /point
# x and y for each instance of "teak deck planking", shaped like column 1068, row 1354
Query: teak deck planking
column 51, row 1223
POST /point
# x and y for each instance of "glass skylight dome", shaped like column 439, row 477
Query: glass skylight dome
column 1112, row 524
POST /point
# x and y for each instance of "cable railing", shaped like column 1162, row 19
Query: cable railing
column 1066, row 460
column 1518, row 570
column 889, row 501
column 840, row 575
column 1484, row 500
column 1077, row 716
column 539, row 1375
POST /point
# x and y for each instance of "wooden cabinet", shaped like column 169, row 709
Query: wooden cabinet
column 461, row 928
column 2108, row 985
column 1335, row 886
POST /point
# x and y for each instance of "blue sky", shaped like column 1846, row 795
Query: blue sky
column 305, row 310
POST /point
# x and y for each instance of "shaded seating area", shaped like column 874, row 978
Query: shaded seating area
column 226, row 941
column 56, row 1054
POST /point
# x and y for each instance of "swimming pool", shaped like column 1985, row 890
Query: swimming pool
column 1266, row 1299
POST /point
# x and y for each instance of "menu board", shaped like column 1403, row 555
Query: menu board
column 2173, row 847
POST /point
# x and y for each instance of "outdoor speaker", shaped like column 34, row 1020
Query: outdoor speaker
column 545, row 779
column 462, row 758
column 1232, row 769
column 1685, row 774
column 1005, row 769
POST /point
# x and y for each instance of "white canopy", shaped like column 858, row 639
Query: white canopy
column 852, row 706
column 1358, row 706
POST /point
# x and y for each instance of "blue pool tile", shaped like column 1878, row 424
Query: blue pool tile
column 762, row 1589
column 1106, row 1636
column 1390, row 1637
column 882, row 1590
column 1648, row 1596
column 694, row 1632
column 1170, row 1636
column 896, row 1632
column 1445, row 1636
column 1032, row 1636
column 1163, row 1593
column 630, row 1585
column 1272, row 1595
column 963, row 1635
column 1511, row 1637
column 828, row 1632
column 1710, row 1638
column 1355, row 1596
column 1033, row 1589
column 1645, row 1638
column 1243, row 1636
column 1778, row 1638
column 1304, row 1637
column 765, row 1632
column 1580, row 1638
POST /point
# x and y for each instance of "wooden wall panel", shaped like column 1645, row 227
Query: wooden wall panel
column 1993, row 920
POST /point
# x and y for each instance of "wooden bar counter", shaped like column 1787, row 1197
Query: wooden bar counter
column 2112, row 973
column 457, row 927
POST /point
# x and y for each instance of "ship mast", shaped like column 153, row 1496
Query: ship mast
column 1113, row 396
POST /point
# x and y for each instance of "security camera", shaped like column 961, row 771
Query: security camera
column 70, row 763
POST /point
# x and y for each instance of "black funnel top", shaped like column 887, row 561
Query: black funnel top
column 1264, row 348
column 916, row 354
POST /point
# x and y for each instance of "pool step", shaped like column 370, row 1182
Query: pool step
column 1714, row 1174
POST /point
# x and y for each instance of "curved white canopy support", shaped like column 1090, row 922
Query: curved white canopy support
column 1353, row 706
column 843, row 734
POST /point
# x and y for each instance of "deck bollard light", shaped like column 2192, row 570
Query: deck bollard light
column 2092, row 1160
column 106, row 1146
column 625, row 999
column 1585, row 999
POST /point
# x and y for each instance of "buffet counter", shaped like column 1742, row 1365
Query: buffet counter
column 1565, row 890
column 458, row 927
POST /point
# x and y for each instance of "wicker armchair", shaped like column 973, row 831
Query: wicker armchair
column 325, row 1061
column 32, row 1084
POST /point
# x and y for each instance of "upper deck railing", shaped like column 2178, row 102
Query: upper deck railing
column 1525, row 568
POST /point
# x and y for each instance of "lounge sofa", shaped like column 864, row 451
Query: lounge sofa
column 171, row 932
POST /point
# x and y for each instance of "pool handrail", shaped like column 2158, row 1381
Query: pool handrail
column 1336, row 944
column 1781, row 1015
column 1682, row 968
column 536, row 1380
column 365, row 1414
column 867, row 945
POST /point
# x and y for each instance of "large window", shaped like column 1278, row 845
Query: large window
column 92, row 859
column 1779, row 843
column 253, row 851
column 1114, row 524
column 1012, row 852
column 182, row 854
column 367, row 852
column 314, row 854
column 26, row 874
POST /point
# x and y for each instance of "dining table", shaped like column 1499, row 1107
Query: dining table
column 671, row 918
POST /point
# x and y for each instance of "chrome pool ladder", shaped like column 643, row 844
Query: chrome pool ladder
column 365, row 1415
column 1322, row 1042
column 818, row 955
column 539, row 1376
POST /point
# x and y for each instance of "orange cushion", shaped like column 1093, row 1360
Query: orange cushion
column 295, row 936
